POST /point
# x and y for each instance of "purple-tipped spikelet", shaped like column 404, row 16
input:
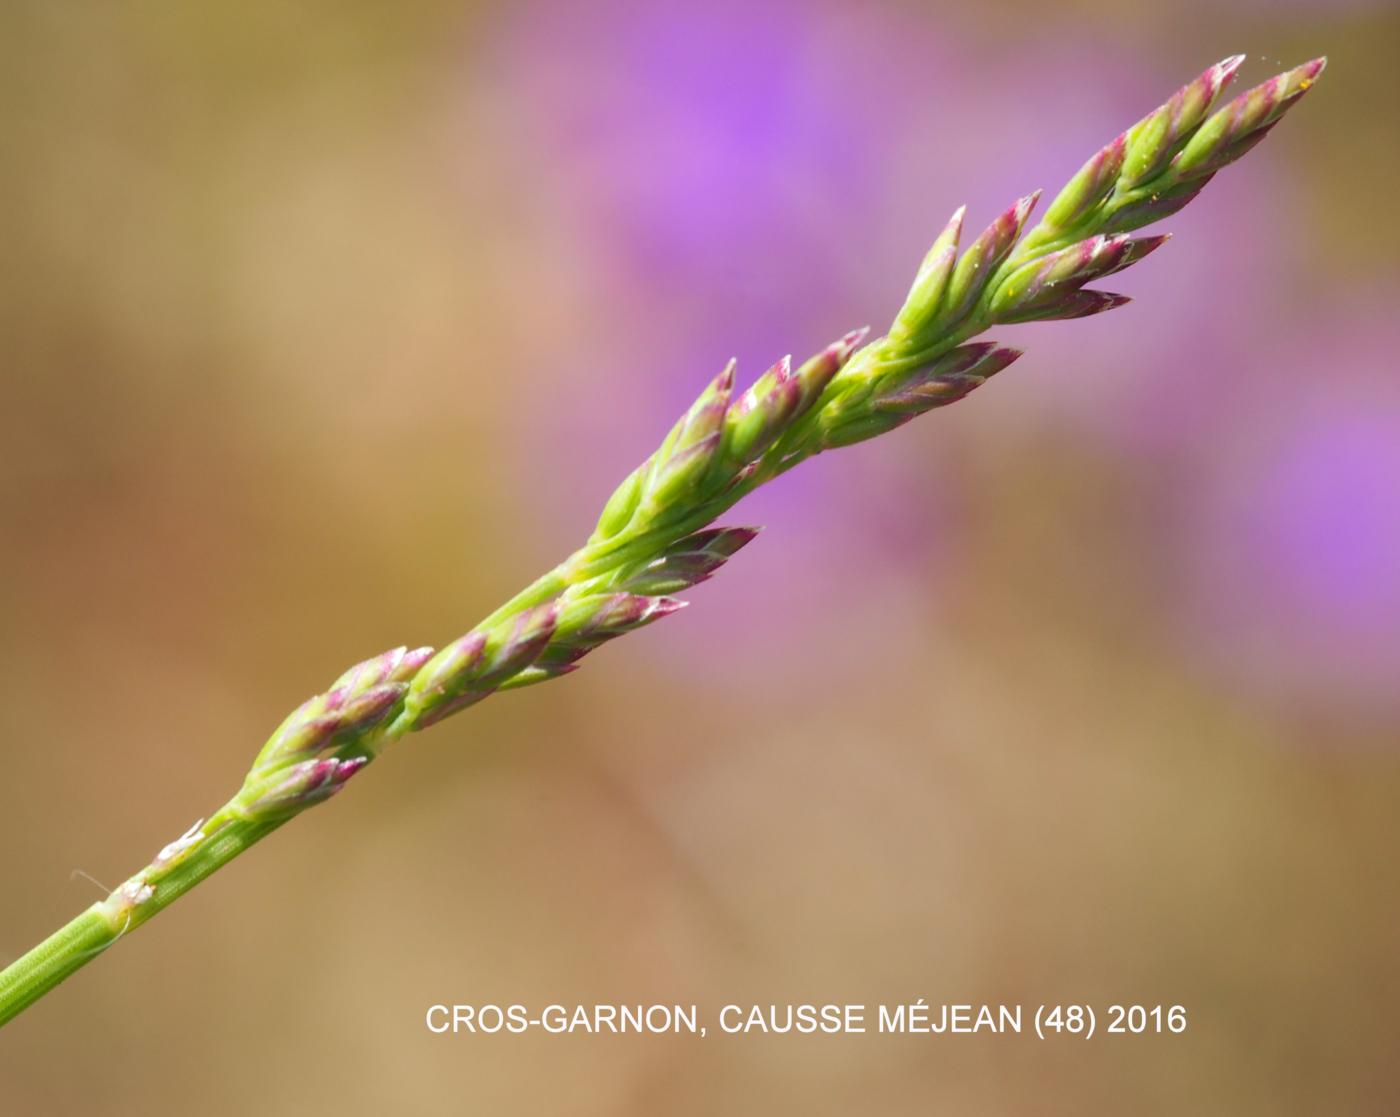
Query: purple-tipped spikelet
column 361, row 701
column 284, row 792
column 833, row 358
column 715, row 445
column 676, row 469
column 1148, row 206
column 1082, row 303
column 758, row 416
column 925, row 296
column 945, row 381
column 894, row 395
column 1163, row 162
column 469, row 669
column 1153, row 140
column 1135, row 249
column 1241, row 124
column 1035, row 290
column 330, row 720
column 395, row 666
column 979, row 263
column 587, row 622
column 684, row 458
column 1083, row 193
column 777, row 399
column 688, row 562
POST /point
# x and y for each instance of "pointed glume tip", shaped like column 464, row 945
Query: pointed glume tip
column 1226, row 67
column 1023, row 207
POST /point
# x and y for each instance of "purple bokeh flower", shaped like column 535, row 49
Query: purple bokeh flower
column 1291, row 539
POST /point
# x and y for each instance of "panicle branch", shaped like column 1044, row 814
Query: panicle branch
column 652, row 539
column 646, row 545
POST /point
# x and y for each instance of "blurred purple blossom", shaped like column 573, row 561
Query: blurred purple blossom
column 690, row 147
column 1292, row 540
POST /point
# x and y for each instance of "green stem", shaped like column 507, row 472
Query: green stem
column 544, row 588
column 82, row 939
column 62, row 953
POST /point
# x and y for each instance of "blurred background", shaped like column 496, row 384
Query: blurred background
column 326, row 326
